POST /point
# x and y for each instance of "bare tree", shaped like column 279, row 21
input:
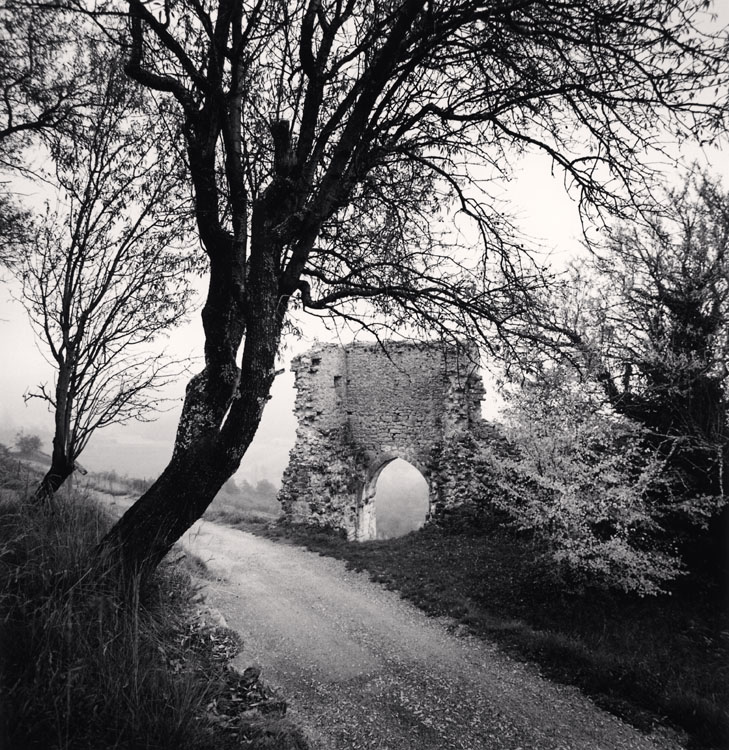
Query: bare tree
column 326, row 139
column 101, row 276
column 45, row 85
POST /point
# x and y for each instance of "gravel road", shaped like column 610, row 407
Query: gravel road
column 361, row 668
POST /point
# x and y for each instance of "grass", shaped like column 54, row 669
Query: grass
column 81, row 668
column 648, row 660
column 232, row 514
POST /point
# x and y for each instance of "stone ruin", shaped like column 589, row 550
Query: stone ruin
column 361, row 406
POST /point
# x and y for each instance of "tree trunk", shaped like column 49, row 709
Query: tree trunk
column 60, row 471
column 203, row 460
column 205, row 456
column 161, row 516
column 61, row 468
column 220, row 416
column 62, row 464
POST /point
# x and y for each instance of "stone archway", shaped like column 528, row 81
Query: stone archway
column 366, row 521
column 360, row 407
column 398, row 495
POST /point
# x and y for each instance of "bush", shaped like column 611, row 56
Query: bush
column 139, row 485
column 27, row 445
column 587, row 487
column 580, row 480
column 261, row 497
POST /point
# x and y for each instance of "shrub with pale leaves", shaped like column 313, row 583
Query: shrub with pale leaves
column 582, row 480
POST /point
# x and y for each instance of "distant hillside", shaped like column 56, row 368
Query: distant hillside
column 242, row 495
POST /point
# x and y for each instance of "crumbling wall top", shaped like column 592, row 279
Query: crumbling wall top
column 364, row 404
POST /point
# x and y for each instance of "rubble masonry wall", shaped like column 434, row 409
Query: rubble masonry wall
column 360, row 407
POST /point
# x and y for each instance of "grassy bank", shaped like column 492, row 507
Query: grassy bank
column 648, row 660
column 82, row 669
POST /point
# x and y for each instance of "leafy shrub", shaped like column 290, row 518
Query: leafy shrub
column 261, row 497
column 27, row 445
column 581, row 480
column 585, row 483
column 139, row 485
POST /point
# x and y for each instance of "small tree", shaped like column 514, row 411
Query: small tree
column 648, row 320
column 666, row 330
column 27, row 444
column 100, row 277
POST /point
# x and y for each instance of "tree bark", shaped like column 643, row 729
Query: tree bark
column 223, row 404
column 62, row 464
column 198, row 469
column 61, row 469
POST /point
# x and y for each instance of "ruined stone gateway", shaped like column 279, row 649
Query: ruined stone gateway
column 362, row 406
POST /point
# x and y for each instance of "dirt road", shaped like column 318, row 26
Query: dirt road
column 361, row 668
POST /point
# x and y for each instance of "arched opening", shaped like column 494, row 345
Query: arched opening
column 401, row 499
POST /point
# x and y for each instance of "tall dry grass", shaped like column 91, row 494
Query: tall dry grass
column 81, row 667
column 85, row 668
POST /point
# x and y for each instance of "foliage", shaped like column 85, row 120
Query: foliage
column 647, row 321
column 27, row 444
column 82, row 671
column 665, row 331
column 575, row 475
column 44, row 86
column 584, row 481
column 43, row 75
column 102, row 272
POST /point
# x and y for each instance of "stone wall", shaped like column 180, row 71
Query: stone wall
column 360, row 407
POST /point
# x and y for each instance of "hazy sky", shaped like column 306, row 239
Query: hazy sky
column 540, row 203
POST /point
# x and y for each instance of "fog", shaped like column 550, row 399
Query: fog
column 401, row 500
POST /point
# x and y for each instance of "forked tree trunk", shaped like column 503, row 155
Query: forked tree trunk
column 220, row 416
column 199, row 467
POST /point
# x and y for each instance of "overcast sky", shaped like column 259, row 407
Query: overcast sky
column 538, row 201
